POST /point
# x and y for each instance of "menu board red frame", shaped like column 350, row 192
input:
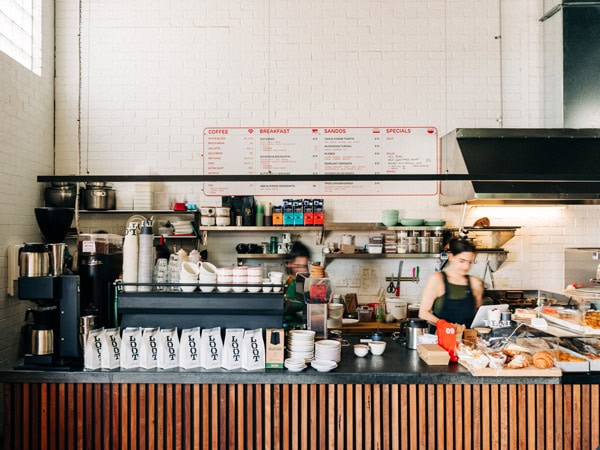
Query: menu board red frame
column 321, row 151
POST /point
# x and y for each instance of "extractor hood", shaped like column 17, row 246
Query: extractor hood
column 521, row 166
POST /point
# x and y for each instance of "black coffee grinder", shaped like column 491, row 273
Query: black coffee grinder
column 53, row 342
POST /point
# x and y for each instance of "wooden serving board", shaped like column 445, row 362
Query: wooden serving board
column 525, row 372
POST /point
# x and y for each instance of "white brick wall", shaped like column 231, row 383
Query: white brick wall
column 157, row 72
column 26, row 150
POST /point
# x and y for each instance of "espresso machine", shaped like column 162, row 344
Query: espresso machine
column 53, row 338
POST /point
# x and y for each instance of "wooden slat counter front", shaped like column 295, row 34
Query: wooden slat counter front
column 393, row 401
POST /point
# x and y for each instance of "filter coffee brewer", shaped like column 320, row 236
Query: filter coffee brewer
column 53, row 340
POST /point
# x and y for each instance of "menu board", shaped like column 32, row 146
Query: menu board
column 321, row 151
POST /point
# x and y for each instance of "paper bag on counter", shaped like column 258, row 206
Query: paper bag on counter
column 211, row 348
column 189, row 348
column 95, row 353
column 131, row 348
column 113, row 342
column 150, row 348
column 253, row 350
column 168, row 356
column 232, row 348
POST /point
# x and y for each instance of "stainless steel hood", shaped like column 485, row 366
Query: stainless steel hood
column 521, row 166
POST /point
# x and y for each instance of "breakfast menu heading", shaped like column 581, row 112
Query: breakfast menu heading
column 321, row 151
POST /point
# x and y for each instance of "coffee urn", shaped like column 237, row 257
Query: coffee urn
column 53, row 337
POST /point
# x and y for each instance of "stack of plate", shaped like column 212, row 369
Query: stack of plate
column 301, row 344
column 328, row 349
column 295, row 364
column 182, row 227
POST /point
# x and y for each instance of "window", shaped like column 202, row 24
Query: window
column 21, row 32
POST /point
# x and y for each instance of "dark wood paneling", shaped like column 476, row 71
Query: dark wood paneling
column 362, row 417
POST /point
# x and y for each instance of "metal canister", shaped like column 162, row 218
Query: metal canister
column 423, row 243
column 435, row 244
column 413, row 245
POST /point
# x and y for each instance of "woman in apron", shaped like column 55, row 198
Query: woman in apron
column 453, row 295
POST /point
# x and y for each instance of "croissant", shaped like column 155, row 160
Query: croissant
column 543, row 360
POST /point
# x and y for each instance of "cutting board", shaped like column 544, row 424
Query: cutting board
column 525, row 372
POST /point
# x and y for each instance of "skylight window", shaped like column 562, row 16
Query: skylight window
column 21, row 32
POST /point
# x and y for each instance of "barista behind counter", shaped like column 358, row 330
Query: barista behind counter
column 453, row 295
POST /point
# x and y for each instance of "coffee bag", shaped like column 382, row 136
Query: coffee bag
column 211, row 348
column 113, row 343
column 253, row 350
column 150, row 350
column 131, row 348
column 189, row 348
column 168, row 349
column 232, row 348
column 95, row 354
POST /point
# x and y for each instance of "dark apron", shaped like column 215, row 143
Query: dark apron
column 457, row 310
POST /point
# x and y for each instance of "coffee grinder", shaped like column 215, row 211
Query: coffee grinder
column 54, row 336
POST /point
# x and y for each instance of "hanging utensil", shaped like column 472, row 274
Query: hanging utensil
column 391, row 288
column 399, row 276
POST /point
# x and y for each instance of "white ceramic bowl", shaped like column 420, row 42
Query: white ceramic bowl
column 223, row 221
column 361, row 350
column 222, row 211
column 377, row 347
column 207, row 268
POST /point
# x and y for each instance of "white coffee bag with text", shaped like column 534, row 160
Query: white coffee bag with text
column 253, row 350
column 189, row 348
column 113, row 342
column 131, row 348
column 168, row 356
column 211, row 348
column 232, row 349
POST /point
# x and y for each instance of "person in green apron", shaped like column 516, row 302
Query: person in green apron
column 453, row 295
column 296, row 262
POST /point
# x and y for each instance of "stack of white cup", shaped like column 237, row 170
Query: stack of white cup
column 254, row 278
column 208, row 275
column 189, row 274
column 240, row 276
column 276, row 280
column 224, row 278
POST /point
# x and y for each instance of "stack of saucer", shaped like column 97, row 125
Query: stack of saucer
column 328, row 349
column 301, row 344
column 295, row 364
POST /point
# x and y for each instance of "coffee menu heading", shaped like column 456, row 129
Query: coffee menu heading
column 321, row 151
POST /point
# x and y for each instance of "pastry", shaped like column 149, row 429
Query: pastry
column 483, row 222
column 543, row 360
column 518, row 362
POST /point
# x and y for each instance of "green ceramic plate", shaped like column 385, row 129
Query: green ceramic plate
column 412, row 222
column 435, row 223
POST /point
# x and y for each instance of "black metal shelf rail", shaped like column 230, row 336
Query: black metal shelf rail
column 524, row 177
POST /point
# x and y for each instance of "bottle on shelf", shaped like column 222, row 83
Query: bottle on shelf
column 260, row 214
column 146, row 255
